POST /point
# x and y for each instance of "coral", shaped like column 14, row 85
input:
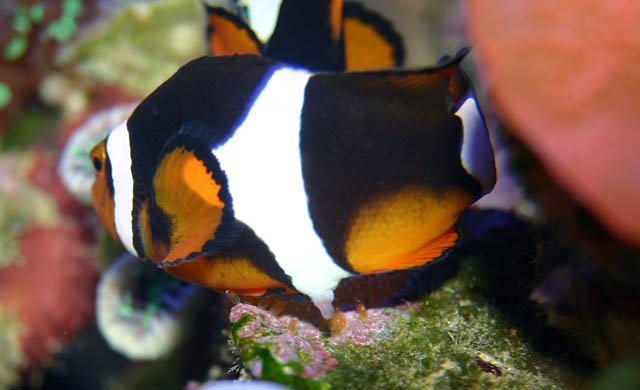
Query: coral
column 30, row 33
column 452, row 339
column 74, row 167
column 12, row 359
column 142, row 311
column 20, row 204
column 556, row 76
column 49, row 277
column 270, row 351
column 448, row 341
column 141, row 45
column 237, row 385
column 50, row 288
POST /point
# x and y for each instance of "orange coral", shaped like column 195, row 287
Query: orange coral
column 565, row 76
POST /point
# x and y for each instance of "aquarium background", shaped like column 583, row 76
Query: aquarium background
column 542, row 292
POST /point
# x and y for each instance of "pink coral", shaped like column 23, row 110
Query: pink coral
column 564, row 75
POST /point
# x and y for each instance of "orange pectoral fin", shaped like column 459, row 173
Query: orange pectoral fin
column 229, row 35
column 370, row 42
column 188, row 191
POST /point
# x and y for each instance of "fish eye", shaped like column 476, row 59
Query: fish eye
column 97, row 164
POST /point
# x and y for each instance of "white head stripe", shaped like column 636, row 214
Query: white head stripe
column 264, row 171
column 119, row 152
column 477, row 152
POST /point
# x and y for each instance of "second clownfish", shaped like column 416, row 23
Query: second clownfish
column 325, row 35
column 244, row 174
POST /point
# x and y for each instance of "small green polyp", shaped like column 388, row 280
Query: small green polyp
column 72, row 7
column 5, row 95
column 36, row 13
column 63, row 28
column 21, row 22
column 16, row 48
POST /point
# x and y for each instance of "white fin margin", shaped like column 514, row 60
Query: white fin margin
column 477, row 152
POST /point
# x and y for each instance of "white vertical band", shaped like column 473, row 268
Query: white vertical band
column 119, row 152
column 263, row 166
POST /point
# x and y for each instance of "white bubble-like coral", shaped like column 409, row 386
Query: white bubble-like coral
column 141, row 311
column 241, row 385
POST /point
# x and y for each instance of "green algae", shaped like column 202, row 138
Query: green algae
column 288, row 373
column 474, row 327
column 12, row 360
column 453, row 338
column 141, row 45
column 443, row 344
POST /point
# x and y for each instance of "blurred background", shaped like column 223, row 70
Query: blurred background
column 557, row 241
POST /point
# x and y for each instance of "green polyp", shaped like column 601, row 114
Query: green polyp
column 16, row 48
column 125, row 308
column 149, row 312
column 71, row 7
column 6, row 95
column 21, row 21
column 36, row 13
column 63, row 28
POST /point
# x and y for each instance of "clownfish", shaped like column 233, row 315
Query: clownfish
column 243, row 174
column 325, row 35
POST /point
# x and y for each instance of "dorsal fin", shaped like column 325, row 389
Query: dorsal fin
column 190, row 209
column 370, row 42
column 227, row 34
column 405, row 84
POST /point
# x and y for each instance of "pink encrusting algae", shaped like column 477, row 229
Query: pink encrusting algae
column 296, row 345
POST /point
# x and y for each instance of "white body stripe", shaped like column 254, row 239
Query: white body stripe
column 477, row 152
column 119, row 152
column 263, row 166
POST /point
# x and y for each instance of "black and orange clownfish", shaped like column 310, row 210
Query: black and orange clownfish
column 326, row 35
column 244, row 174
